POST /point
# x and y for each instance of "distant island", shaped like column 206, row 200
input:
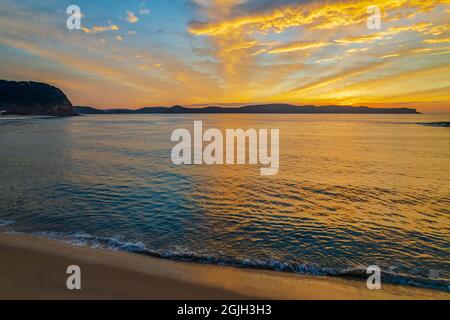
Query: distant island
column 33, row 98
column 252, row 109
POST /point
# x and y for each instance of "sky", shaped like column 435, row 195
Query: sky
column 131, row 54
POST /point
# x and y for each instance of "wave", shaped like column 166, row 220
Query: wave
column 8, row 119
column 4, row 223
column 117, row 244
column 435, row 124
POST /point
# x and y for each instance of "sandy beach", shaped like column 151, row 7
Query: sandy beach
column 35, row 268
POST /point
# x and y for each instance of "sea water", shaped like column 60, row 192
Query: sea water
column 352, row 191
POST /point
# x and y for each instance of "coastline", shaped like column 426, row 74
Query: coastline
column 35, row 268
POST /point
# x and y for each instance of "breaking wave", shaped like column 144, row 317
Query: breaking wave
column 4, row 223
column 436, row 124
column 118, row 244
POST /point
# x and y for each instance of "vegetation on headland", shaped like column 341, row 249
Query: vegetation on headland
column 33, row 98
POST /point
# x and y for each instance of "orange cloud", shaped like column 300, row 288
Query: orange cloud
column 390, row 56
column 442, row 40
column 316, row 15
column 298, row 46
column 131, row 17
column 97, row 29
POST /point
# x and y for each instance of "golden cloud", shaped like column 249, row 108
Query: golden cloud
column 97, row 29
column 433, row 41
column 361, row 39
column 394, row 55
column 316, row 15
column 131, row 17
column 298, row 46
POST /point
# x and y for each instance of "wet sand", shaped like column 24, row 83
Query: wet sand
column 35, row 268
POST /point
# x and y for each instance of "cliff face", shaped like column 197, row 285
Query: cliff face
column 33, row 98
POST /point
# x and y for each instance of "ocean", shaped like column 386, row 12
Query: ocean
column 352, row 191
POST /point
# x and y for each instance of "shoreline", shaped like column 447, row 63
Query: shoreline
column 35, row 268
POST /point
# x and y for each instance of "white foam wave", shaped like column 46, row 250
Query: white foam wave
column 4, row 223
column 116, row 243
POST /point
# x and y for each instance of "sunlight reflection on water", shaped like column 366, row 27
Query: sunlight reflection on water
column 352, row 191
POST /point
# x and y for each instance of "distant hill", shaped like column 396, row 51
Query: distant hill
column 91, row 110
column 87, row 110
column 253, row 109
column 292, row 109
column 33, row 98
column 148, row 110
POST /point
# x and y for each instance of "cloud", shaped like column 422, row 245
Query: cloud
column 236, row 30
column 437, row 30
column 131, row 17
column 334, row 78
column 217, row 9
column 361, row 39
column 106, row 72
column 433, row 87
column 97, row 29
column 298, row 46
column 439, row 53
column 394, row 55
column 433, row 41
column 355, row 50
column 146, row 67
column 327, row 60
column 427, row 50
column 420, row 27
column 144, row 11
column 315, row 15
